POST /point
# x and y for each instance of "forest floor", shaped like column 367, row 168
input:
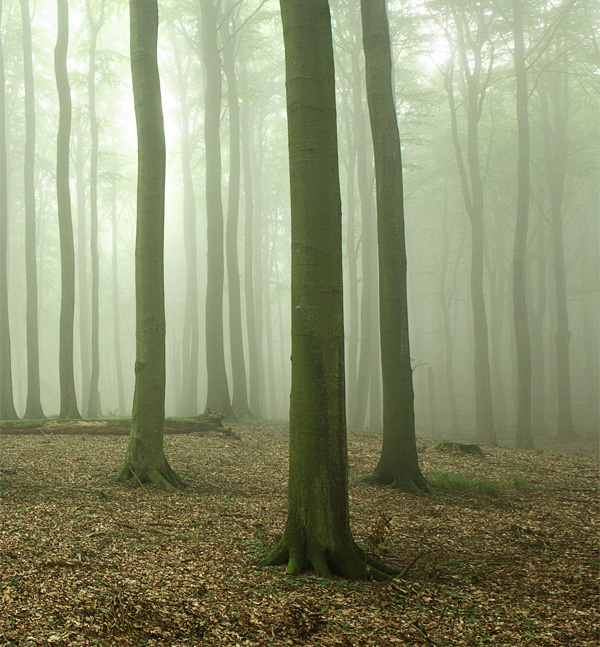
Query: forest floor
column 506, row 548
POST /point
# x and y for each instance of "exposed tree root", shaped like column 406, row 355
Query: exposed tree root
column 414, row 483
column 348, row 561
column 163, row 477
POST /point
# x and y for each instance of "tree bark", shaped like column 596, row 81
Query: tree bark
column 115, row 295
column 33, row 406
column 317, row 534
column 217, row 398
column 7, row 405
column 524, row 439
column 254, row 375
column 239, row 398
column 94, row 410
column 145, row 461
column 68, row 399
column 190, row 341
column 398, row 463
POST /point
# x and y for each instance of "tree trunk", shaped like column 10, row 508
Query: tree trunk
column 82, row 272
column 398, row 464
column 68, row 399
column 190, row 341
column 116, row 316
column 94, row 396
column 317, row 534
column 368, row 253
column 556, row 156
column 145, row 461
column 33, row 407
column 7, row 405
column 217, row 398
column 239, row 399
column 524, row 438
column 253, row 359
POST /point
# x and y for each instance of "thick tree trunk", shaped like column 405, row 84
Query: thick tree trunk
column 7, row 405
column 115, row 299
column 145, row 461
column 33, row 407
column 217, row 398
column 524, row 439
column 94, row 396
column 239, row 398
column 68, row 399
column 254, row 385
column 398, row 464
column 317, row 534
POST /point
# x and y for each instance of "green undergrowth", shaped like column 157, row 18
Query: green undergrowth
column 455, row 483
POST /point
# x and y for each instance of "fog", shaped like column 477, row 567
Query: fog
column 455, row 91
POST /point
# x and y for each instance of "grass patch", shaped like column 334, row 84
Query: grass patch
column 453, row 482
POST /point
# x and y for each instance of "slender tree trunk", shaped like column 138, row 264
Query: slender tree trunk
column 82, row 271
column 375, row 424
column 472, row 188
column 352, row 264
column 239, row 400
column 94, row 27
column 217, row 398
column 317, row 534
column 257, row 258
column 556, row 155
column 33, row 407
column 190, row 342
column 253, row 359
column 269, row 333
column 145, row 461
column 524, row 438
column 7, row 405
column 432, row 398
column 368, row 254
column 445, row 301
column 116, row 316
column 68, row 399
column 398, row 463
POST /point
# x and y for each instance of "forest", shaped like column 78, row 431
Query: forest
column 307, row 284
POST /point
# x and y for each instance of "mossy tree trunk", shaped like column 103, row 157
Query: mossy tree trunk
column 68, row 399
column 398, row 464
column 317, row 535
column 7, row 405
column 145, row 461
column 33, row 407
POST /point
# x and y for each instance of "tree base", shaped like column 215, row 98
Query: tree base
column 163, row 477
column 347, row 560
column 414, row 483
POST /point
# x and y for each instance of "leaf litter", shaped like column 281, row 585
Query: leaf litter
column 84, row 561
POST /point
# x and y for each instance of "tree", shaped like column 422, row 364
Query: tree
column 33, row 407
column 217, row 397
column 239, row 396
column 524, row 437
column 399, row 463
column 474, row 81
column 145, row 461
column 317, row 534
column 94, row 24
column 68, row 399
column 7, row 405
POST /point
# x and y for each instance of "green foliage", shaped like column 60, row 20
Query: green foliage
column 453, row 482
